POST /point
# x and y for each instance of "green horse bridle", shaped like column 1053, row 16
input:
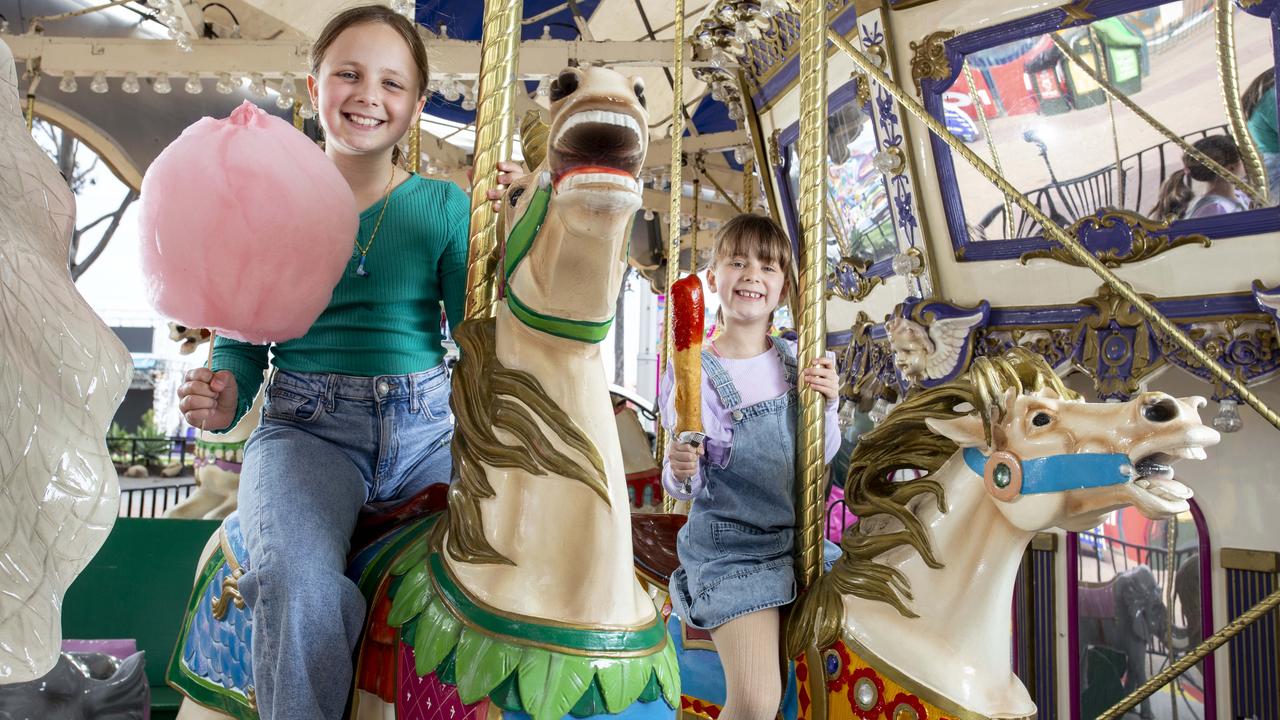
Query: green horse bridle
column 519, row 242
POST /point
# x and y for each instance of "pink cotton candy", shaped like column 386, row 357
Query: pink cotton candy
column 246, row 227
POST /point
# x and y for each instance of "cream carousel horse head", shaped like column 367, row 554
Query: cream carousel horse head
column 922, row 594
column 63, row 373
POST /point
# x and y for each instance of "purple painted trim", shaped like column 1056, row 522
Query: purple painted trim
column 776, row 85
column 839, row 339
column 1206, row 609
column 1253, row 222
column 1073, row 622
column 1261, row 9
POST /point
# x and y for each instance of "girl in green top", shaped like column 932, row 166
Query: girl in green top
column 1259, row 104
column 357, row 410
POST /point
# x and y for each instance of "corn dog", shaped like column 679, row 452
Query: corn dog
column 687, row 315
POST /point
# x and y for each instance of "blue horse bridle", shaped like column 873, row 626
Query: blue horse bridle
column 1055, row 473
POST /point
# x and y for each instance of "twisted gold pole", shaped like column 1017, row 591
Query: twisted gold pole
column 499, row 49
column 1233, row 628
column 1057, row 234
column 810, row 436
column 1111, row 111
column 673, row 217
column 415, row 146
column 767, row 178
column 1230, row 82
column 995, row 156
column 31, row 113
column 749, row 182
column 1171, row 136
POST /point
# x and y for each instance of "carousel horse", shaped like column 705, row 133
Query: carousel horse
column 63, row 373
column 521, row 597
column 912, row 622
column 218, row 455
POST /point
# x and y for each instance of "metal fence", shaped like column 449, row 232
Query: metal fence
column 162, row 451
column 152, row 502
column 1066, row 201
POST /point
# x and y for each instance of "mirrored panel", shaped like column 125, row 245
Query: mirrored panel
column 1021, row 97
column 1138, row 610
column 859, row 222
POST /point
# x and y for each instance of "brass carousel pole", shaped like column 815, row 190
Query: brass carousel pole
column 1055, row 233
column 1230, row 82
column 811, row 315
column 499, row 49
column 673, row 219
column 415, row 146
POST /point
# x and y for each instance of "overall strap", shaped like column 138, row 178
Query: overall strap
column 720, row 378
column 788, row 359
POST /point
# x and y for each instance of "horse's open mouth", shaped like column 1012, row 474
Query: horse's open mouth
column 597, row 147
column 1153, row 476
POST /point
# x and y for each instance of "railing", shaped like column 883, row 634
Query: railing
column 1066, row 201
column 139, row 450
column 152, row 502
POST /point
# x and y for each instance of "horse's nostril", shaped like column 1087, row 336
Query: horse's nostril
column 1161, row 411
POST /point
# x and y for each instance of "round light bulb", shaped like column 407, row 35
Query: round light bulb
column 68, row 82
column 193, row 85
column 130, row 83
column 161, row 84
column 99, row 83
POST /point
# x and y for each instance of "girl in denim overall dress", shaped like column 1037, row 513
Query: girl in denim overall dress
column 356, row 410
column 736, row 549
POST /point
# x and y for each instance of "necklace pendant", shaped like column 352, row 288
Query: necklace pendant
column 360, row 271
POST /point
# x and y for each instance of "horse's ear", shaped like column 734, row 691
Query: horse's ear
column 965, row 431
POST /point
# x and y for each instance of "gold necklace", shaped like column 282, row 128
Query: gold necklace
column 365, row 250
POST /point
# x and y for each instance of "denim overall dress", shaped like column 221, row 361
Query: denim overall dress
column 736, row 548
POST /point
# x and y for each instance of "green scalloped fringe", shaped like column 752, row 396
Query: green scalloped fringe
column 543, row 683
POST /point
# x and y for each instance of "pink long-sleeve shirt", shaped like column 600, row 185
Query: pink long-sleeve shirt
column 757, row 379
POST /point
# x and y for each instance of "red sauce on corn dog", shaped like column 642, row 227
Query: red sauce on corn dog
column 687, row 312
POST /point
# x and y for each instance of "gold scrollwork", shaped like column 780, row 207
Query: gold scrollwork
column 1148, row 240
column 863, row 283
column 1106, row 351
column 1077, row 12
column 929, row 57
column 863, row 95
column 251, row 696
column 230, row 594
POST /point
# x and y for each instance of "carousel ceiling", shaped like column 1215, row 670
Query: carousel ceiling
column 122, row 78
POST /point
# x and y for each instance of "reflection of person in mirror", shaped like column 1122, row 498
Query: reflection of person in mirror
column 1178, row 197
column 1259, row 103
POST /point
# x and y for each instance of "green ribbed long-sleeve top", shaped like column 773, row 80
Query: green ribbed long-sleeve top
column 389, row 322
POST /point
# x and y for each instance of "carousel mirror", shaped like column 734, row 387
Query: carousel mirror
column 860, row 225
column 1139, row 608
column 1019, row 96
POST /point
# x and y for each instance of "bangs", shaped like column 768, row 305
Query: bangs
column 750, row 235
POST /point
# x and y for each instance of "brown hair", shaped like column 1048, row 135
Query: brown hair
column 1176, row 193
column 365, row 14
column 1259, row 87
column 750, row 234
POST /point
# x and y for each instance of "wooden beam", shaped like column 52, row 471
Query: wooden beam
column 272, row 58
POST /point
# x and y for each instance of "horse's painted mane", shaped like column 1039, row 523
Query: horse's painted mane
column 905, row 442
column 488, row 396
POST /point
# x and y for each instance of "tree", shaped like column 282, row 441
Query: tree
column 78, row 164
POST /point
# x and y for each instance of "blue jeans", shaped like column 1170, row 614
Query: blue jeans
column 327, row 446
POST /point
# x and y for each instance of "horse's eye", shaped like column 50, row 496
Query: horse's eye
column 515, row 195
column 1041, row 419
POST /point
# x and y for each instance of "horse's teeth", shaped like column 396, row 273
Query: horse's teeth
column 1142, row 483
